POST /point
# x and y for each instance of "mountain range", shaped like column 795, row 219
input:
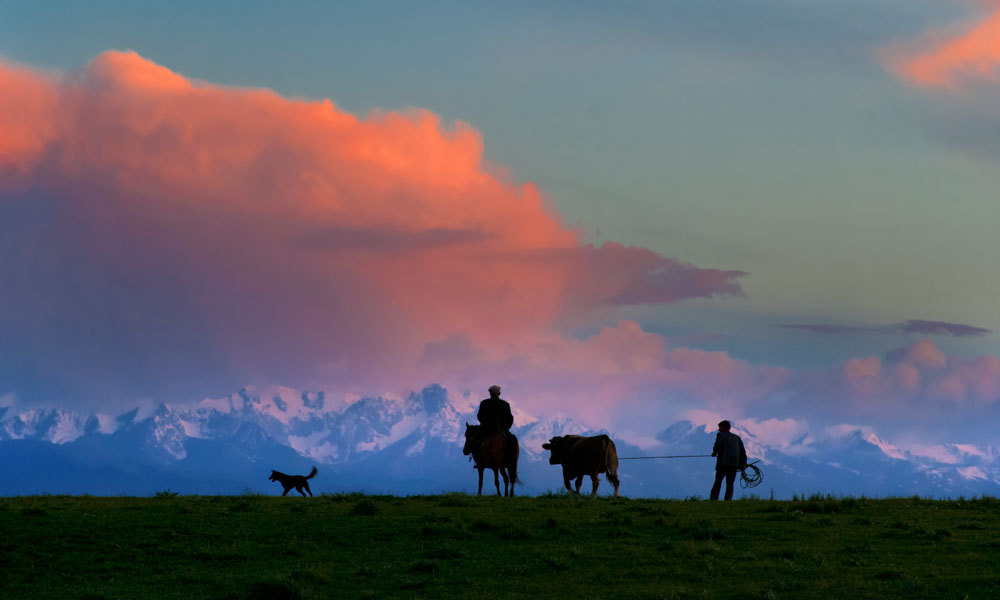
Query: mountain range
column 413, row 445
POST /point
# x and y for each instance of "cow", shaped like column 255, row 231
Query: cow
column 582, row 455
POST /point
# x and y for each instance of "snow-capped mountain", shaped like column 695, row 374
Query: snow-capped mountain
column 412, row 444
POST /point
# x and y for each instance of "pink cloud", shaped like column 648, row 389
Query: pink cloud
column 619, row 373
column 171, row 234
column 943, row 60
column 918, row 376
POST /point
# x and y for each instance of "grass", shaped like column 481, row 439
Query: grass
column 456, row 546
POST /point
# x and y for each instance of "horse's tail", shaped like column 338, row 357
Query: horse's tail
column 513, row 452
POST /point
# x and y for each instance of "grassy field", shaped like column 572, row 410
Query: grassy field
column 469, row 548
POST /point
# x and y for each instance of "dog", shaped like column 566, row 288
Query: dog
column 299, row 482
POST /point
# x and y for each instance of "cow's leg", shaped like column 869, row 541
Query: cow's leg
column 596, row 481
column 480, row 491
column 613, row 478
column 496, row 480
column 566, row 480
column 579, row 482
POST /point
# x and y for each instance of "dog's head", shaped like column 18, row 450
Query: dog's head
column 273, row 477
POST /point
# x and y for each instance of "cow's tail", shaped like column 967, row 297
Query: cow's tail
column 611, row 457
column 611, row 462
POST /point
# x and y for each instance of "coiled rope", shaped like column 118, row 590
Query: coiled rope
column 754, row 478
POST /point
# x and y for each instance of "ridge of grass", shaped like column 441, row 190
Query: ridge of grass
column 458, row 546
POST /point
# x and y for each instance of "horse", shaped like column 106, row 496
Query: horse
column 498, row 451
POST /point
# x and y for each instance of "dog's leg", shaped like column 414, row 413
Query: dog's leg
column 308, row 490
column 285, row 493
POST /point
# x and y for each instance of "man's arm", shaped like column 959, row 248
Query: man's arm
column 717, row 447
column 743, row 456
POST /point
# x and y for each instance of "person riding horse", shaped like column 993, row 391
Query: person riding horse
column 494, row 415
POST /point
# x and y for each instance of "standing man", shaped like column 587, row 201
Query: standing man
column 732, row 457
column 494, row 414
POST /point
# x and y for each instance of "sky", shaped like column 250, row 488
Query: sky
column 774, row 211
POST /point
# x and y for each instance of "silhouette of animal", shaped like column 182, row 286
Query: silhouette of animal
column 497, row 451
column 299, row 482
column 582, row 455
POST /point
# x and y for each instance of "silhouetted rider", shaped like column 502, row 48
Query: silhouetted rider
column 494, row 414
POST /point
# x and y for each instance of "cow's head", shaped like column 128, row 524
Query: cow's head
column 555, row 448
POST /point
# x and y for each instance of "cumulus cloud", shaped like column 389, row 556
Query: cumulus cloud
column 166, row 236
column 913, row 326
column 945, row 60
column 916, row 379
column 619, row 374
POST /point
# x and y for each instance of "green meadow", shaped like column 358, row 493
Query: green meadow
column 479, row 548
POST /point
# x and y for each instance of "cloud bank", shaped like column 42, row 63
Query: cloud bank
column 164, row 236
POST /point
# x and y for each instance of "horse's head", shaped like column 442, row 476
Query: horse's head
column 470, row 436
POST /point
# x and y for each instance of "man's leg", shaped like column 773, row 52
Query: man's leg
column 483, row 434
column 719, row 474
column 730, row 480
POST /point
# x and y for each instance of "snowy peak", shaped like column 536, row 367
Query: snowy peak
column 532, row 435
column 386, row 439
column 49, row 425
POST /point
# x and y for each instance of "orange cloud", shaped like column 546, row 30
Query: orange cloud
column 175, row 236
column 941, row 61
column 27, row 104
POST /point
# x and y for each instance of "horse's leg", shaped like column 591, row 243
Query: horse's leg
column 579, row 482
column 503, row 473
column 496, row 479
column 480, row 492
column 594, row 479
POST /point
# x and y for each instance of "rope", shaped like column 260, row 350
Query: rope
column 750, row 476
column 754, row 478
column 674, row 456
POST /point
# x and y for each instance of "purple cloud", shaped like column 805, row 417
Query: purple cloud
column 912, row 326
column 941, row 328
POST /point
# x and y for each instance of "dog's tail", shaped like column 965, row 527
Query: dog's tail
column 311, row 473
